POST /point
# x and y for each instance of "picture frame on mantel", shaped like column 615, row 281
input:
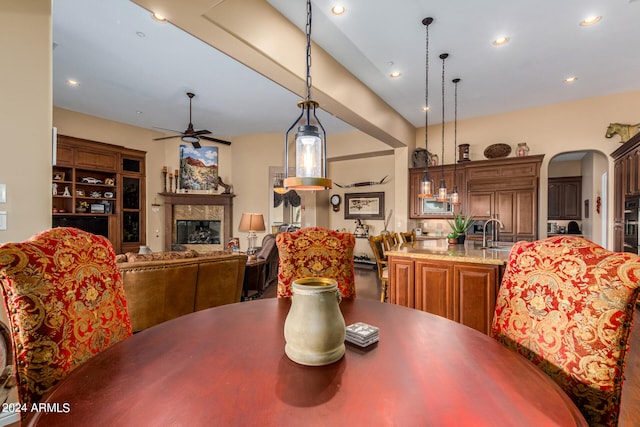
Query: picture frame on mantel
column 364, row 205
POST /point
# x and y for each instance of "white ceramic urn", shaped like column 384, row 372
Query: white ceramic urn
column 314, row 329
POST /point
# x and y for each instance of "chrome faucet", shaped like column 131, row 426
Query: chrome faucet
column 484, row 230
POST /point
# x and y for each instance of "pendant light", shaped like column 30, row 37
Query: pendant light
column 426, row 184
column 278, row 184
column 311, row 147
column 442, row 191
column 455, row 197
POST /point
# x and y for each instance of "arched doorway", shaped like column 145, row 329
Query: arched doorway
column 589, row 169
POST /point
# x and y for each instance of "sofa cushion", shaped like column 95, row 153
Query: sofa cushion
column 161, row 256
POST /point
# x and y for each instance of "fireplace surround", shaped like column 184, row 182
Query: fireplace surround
column 203, row 220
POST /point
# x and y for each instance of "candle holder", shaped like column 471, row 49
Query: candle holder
column 176, row 175
column 164, row 180
column 170, row 182
column 463, row 153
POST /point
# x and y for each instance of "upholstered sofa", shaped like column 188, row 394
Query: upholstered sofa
column 163, row 286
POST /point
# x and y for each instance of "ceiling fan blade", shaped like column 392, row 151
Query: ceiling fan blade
column 170, row 130
column 167, row 137
column 201, row 132
column 196, row 145
column 221, row 141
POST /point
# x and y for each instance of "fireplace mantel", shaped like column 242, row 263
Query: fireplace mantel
column 192, row 199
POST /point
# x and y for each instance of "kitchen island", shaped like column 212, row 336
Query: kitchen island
column 458, row 282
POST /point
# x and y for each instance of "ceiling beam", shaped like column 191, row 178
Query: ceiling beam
column 258, row 36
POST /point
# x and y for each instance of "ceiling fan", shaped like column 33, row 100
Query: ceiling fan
column 190, row 135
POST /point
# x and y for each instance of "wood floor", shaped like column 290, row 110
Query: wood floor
column 368, row 287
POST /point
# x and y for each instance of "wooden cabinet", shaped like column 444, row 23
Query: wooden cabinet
column 415, row 176
column 626, row 174
column 462, row 292
column 565, row 198
column 100, row 188
column 506, row 189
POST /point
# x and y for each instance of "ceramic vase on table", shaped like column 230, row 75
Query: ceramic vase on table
column 314, row 329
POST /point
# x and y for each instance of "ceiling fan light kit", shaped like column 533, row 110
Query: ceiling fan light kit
column 311, row 147
column 190, row 135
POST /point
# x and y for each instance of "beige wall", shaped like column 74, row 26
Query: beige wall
column 25, row 116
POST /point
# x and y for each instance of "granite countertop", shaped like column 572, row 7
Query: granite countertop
column 471, row 251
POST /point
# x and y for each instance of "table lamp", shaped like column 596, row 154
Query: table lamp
column 251, row 222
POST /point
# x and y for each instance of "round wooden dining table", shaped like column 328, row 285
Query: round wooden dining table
column 226, row 366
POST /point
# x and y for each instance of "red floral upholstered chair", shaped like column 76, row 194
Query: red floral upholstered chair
column 316, row 252
column 567, row 305
column 65, row 301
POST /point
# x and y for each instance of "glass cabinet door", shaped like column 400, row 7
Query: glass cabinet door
column 130, row 210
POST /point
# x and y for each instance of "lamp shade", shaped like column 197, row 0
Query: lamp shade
column 251, row 222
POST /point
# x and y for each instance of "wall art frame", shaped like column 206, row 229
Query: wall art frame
column 364, row 205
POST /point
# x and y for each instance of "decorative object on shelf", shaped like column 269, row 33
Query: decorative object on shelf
column 164, row 179
column 54, row 189
column 80, row 193
column 626, row 132
column 522, row 149
column 433, row 160
column 95, row 194
column 170, row 181
column 90, row 180
column 66, row 192
column 82, row 207
column 363, row 184
column 362, row 230
column 176, row 174
column 251, row 222
column 311, row 147
column 420, row 157
column 463, row 153
column 97, row 208
column 108, row 195
column 496, row 151
column 314, row 329
column 442, row 190
column 198, row 168
column 455, row 196
column 364, row 205
column 110, row 181
column 219, row 182
column 335, row 201
column 459, row 227
column 58, row 176
column 426, row 183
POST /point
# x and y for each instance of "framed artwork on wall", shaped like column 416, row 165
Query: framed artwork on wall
column 198, row 167
column 364, row 205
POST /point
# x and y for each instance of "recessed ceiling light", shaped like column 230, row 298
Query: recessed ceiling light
column 158, row 18
column 73, row 83
column 500, row 41
column 426, row 108
column 395, row 74
column 141, row 34
column 338, row 9
column 590, row 21
column 570, row 79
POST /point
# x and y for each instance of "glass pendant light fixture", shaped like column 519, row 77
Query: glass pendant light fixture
column 311, row 147
column 442, row 191
column 455, row 197
column 426, row 184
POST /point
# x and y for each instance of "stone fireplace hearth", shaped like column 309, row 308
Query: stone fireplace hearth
column 203, row 220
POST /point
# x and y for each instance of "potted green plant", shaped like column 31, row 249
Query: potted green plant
column 459, row 226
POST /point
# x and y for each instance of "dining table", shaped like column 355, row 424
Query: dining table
column 226, row 366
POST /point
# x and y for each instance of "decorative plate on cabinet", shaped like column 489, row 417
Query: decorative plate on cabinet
column 496, row 151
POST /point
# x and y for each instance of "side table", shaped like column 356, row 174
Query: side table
column 253, row 277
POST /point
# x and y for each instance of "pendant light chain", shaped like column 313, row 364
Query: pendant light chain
column 443, row 56
column 308, row 32
column 455, row 196
column 426, row 89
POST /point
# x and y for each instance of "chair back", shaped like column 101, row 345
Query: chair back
column 391, row 240
column 269, row 252
column 65, row 301
column 378, row 247
column 408, row 236
column 316, row 252
column 567, row 305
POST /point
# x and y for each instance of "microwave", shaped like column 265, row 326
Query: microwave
column 433, row 207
